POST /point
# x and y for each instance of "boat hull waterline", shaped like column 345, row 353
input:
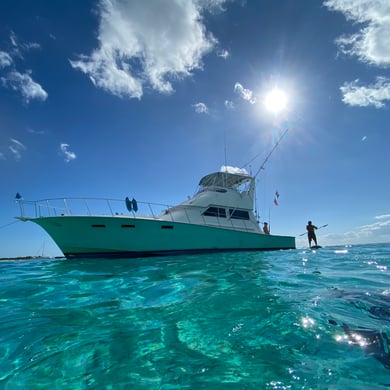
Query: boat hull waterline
column 108, row 237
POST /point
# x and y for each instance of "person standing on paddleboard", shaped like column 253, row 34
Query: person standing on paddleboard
column 311, row 235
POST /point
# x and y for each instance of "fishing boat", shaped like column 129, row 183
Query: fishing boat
column 219, row 217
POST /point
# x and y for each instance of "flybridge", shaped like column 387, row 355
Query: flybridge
column 224, row 179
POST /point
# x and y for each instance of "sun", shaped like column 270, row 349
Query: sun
column 275, row 101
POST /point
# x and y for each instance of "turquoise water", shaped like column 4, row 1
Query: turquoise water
column 268, row 320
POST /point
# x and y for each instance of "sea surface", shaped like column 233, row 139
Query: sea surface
column 294, row 319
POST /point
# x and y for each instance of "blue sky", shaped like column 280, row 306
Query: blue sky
column 139, row 98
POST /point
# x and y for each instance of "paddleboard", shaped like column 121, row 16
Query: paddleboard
column 315, row 247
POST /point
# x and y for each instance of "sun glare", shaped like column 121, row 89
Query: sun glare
column 275, row 101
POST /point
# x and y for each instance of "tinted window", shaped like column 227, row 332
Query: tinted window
column 238, row 214
column 215, row 212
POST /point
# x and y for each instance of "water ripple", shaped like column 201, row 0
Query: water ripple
column 277, row 320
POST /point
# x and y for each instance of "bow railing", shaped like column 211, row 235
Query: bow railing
column 86, row 206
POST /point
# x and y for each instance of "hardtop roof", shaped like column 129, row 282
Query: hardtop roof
column 224, row 179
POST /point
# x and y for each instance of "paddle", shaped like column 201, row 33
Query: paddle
column 317, row 229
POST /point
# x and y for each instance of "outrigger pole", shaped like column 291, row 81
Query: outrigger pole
column 262, row 167
column 270, row 153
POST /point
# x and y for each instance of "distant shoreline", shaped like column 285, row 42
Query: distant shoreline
column 300, row 248
column 31, row 258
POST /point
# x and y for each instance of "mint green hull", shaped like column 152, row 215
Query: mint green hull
column 134, row 237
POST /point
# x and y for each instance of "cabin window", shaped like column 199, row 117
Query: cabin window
column 215, row 212
column 238, row 214
column 221, row 190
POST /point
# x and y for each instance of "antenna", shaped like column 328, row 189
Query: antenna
column 224, row 142
column 269, row 220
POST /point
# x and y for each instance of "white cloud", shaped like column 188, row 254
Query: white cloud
column 23, row 83
column 18, row 143
column 223, row 53
column 246, row 94
column 5, row 59
column 373, row 232
column 201, row 108
column 20, row 47
column 229, row 104
column 12, row 78
column 371, row 43
column 384, row 216
column 69, row 155
column 13, row 39
column 373, row 227
column 2, row 156
column 147, row 44
column 16, row 148
column 356, row 94
column 211, row 5
column 229, row 169
column 33, row 131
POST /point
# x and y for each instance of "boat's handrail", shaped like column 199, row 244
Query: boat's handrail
column 87, row 207
column 58, row 207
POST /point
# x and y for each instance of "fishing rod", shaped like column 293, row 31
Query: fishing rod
column 317, row 229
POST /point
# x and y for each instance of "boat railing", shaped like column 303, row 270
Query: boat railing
column 87, row 207
column 57, row 207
